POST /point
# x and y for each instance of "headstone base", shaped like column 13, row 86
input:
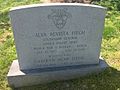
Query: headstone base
column 18, row 78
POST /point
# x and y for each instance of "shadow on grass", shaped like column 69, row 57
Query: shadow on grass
column 106, row 80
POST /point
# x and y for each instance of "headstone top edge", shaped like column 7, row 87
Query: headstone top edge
column 55, row 4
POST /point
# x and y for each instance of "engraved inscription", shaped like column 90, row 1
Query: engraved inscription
column 61, row 47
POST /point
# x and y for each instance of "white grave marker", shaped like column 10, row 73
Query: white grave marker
column 57, row 36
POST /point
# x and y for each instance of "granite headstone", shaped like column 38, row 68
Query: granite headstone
column 56, row 42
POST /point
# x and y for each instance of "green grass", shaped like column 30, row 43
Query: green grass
column 107, row 80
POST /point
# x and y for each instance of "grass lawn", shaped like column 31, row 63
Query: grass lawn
column 107, row 80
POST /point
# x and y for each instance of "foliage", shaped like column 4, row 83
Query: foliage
column 110, row 4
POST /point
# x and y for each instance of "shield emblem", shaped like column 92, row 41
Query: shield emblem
column 59, row 17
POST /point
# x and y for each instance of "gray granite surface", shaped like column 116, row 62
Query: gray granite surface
column 53, row 35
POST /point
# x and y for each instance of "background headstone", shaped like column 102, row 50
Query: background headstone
column 68, row 1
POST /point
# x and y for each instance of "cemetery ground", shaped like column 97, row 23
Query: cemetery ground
column 110, row 51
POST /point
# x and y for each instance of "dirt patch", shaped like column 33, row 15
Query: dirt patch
column 5, row 36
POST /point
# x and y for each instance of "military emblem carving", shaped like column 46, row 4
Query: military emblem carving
column 59, row 17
